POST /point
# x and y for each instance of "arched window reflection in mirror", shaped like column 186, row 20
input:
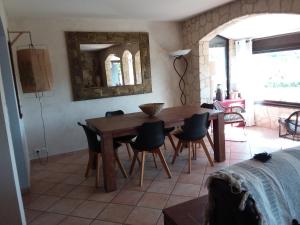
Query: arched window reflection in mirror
column 113, row 71
column 128, row 68
column 138, row 70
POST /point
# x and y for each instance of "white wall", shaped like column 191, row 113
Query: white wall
column 11, row 206
column 61, row 113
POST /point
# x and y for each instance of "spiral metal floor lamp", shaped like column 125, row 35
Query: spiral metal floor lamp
column 179, row 55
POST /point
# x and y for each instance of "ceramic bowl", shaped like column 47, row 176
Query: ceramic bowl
column 151, row 109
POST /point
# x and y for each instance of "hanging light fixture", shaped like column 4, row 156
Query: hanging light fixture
column 34, row 67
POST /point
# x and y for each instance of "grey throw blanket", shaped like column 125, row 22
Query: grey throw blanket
column 274, row 185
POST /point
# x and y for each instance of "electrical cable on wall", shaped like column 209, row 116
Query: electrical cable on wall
column 38, row 96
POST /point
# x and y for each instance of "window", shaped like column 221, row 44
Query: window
column 128, row 68
column 138, row 70
column 113, row 71
column 217, row 66
column 218, row 63
column 277, row 75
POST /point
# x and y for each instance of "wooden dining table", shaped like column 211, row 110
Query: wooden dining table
column 116, row 126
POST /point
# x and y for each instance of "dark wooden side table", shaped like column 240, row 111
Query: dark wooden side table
column 188, row 213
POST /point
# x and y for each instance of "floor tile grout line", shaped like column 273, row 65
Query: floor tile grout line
column 180, row 170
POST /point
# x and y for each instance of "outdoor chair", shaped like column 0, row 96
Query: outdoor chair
column 290, row 127
column 232, row 114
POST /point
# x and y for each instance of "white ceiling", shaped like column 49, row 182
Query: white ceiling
column 262, row 26
column 156, row 10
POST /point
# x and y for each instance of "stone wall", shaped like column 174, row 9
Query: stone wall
column 198, row 30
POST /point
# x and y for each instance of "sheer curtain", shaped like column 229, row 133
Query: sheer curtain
column 242, row 77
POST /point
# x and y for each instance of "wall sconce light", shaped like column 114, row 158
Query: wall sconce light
column 177, row 56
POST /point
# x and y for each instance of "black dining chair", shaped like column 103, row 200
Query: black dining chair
column 193, row 132
column 123, row 139
column 150, row 137
column 168, row 133
column 94, row 145
column 208, row 106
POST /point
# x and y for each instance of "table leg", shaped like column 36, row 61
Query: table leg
column 108, row 162
column 219, row 138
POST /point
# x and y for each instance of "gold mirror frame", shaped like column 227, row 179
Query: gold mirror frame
column 73, row 41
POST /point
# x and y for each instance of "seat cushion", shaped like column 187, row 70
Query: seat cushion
column 232, row 118
column 291, row 127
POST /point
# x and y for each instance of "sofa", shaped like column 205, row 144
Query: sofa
column 257, row 193
column 248, row 193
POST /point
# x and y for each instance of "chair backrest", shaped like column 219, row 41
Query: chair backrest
column 195, row 127
column 150, row 135
column 91, row 135
column 218, row 106
column 114, row 113
column 293, row 123
column 224, row 207
column 207, row 106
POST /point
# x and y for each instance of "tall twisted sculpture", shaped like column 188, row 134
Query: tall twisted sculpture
column 178, row 55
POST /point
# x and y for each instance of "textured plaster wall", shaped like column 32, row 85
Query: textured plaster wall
column 60, row 112
column 198, row 30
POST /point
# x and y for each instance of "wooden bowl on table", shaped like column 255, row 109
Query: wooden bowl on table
column 151, row 109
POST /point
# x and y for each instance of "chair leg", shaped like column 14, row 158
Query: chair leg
column 97, row 157
column 190, row 158
column 176, row 151
column 279, row 130
column 88, row 167
column 244, row 128
column 172, row 141
column 138, row 159
column 195, row 151
column 184, row 144
column 120, row 165
column 154, row 160
column 128, row 150
column 142, row 168
column 135, row 156
column 163, row 162
column 210, row 141
column 206, row 152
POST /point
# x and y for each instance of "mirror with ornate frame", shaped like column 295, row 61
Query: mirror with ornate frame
column 108, row 64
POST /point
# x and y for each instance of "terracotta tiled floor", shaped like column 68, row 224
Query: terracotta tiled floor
column 61, row 195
